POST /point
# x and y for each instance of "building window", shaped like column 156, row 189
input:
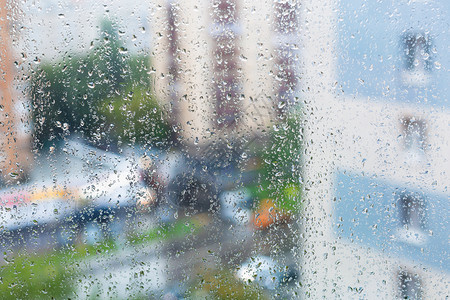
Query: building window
column 412, row 211
column 174, row 69
column 414, row 136
column 409, row 286
column 412, row 219
column 417, row 47
column 286, row 53
column 416, row 58
column 227, row 86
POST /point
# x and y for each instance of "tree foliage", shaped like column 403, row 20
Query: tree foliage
column 282, row 161
column 70, row 95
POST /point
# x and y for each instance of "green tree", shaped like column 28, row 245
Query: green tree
column 136, row 116
column 282, row 161
column 70, row 95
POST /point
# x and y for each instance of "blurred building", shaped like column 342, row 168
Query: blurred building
column 15, row 137
column 225, row 69
column 377, row 164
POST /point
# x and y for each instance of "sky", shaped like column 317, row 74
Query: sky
column 51, row 29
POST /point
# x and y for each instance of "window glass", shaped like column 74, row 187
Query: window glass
column 225, row 149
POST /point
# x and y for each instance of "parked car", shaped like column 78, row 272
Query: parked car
column 183, row 181
column 266, row 272
column 236, row 206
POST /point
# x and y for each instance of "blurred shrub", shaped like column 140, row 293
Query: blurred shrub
column 291, row 195
column 282, row 160
column 222, row 284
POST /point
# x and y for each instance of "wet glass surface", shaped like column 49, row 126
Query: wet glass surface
column 224, row 149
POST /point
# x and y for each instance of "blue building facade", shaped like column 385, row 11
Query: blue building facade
column 397, row 52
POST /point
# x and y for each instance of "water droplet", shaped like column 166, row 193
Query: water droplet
column 243, row 58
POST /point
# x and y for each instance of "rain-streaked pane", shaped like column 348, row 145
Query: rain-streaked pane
column 224, row 149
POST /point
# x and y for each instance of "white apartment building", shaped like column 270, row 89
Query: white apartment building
column 377, row 143
column 225, row 69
